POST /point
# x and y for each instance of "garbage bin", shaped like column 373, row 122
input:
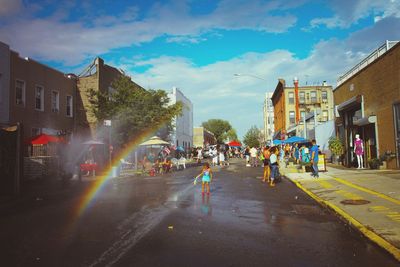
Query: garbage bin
column 115, row 172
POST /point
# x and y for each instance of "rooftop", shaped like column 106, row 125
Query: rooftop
column 366, row 61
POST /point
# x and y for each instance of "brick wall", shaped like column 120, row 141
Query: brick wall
column 379, row 83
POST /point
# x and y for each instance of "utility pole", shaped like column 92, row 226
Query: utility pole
column 296, row 95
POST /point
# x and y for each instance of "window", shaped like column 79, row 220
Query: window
column 302, row 99
column 291, row 98
column 313, row 95
column 55, row 102
column 325, row 115
column 291, row 117
column 69, row 106
column 39, row 98
column 324, row 96
column 20, row 93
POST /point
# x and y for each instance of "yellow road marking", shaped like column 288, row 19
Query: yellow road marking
column 325, row 184
column 362, row 228
column 378, row 208
column 393, row 200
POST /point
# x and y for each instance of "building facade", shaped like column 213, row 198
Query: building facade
column 367, row 101
column 268, row 112
column 315, row 106
column 35, row 95
column 202, row 137
column 182, row 134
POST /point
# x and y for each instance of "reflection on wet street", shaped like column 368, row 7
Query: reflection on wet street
column 166, row 221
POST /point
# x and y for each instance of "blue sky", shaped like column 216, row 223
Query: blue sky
column 198, row 45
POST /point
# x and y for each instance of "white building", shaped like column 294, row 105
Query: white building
column 182, row 134
column 268, row 113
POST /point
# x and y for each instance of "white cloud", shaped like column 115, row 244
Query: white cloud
column 71, row 42
column 217, row 93
column 350, row 12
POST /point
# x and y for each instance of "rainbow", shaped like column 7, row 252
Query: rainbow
column 87, row 197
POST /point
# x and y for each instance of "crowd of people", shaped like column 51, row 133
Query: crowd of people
column 271, row 157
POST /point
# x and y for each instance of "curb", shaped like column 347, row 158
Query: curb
column 359, row 226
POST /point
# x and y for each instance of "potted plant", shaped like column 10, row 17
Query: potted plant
column 336, row 147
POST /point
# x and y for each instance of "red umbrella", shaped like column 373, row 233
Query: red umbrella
column 234, row 143
column 44, row 139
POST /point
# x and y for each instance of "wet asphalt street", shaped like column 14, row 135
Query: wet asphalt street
column 165, row 221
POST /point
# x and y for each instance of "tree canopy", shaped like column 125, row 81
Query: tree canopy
column 133, row 110
column 252, row 137
column 219, row 128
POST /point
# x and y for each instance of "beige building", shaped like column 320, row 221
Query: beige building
column 37, row 96
column 315, row 106
column 202, row 137
column 367, row 100
column 268, row 112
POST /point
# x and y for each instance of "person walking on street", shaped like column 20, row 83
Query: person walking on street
column 314, row 158
column 247, row 155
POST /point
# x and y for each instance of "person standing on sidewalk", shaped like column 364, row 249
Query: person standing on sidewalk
column 314, row 158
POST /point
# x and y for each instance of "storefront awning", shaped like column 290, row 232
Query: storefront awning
column 355, row 100
column 365, row 120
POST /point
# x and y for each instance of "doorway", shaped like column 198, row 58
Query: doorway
column 396, row 108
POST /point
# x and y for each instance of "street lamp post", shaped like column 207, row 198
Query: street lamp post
column 107, row 123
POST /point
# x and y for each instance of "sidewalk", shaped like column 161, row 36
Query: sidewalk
column 367, row 199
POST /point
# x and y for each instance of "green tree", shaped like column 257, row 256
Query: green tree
column 133, row 110
column 231, row 135
column 218, row 127
column 252, row 137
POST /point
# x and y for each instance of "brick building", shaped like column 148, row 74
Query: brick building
column 314, row 100
column 367, row 101
column 37, row 96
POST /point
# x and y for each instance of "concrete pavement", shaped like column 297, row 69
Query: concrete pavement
column 367, row 199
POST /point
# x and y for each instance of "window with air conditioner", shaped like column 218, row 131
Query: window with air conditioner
column 69, row 106
column 20, row 93
column 55, row 101
column 39, row 98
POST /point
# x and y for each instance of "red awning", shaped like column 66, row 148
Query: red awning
column 234, row 143
column 44, row 139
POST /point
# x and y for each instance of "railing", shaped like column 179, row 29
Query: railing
column 365, row 62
